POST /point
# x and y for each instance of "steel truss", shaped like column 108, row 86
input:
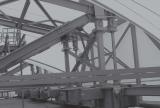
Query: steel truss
column 116, row 95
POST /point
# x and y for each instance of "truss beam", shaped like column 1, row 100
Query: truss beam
column 81, row 60
column 72, row 5
column 117, row 45
column 24, row 11
column 45, row 12
column 143, row 91
column 27, row 26
column 43, row 43
column 77, row 77
column 42, row 29
column 85, row 53
column 135, row 49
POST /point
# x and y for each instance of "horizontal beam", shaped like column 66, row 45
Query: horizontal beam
column 77, row 77
column 42, row 43
column 83, row 94
column 38, row 28
column 143, row 91
column 86, row 8
column 27, row 25
column 72, row 5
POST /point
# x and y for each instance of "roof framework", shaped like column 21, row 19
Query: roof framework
column 101, row 58
column 36, row 46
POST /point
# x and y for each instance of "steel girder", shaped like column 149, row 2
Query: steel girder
column 24, row 12
column 143, row 91
column 26, row 25
column 43, row 43
column 82, row 6
column 72, row 5
column 122, row 11
column 30, row 26
column 77, row 77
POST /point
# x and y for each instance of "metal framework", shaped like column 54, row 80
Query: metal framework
column 70, row 83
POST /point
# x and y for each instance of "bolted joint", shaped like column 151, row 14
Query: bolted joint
column 99, row 25
column 112, row 24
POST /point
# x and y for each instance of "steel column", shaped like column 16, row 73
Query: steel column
column 66, row 54
column 114, row 54
column 99, row 36
column 135, row 49
column 108, row 99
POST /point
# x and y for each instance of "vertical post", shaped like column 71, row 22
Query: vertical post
column 22, row 98
column 92, row 61
column 114, row 50
column 45, row 71
column 2, row 94
column 21, row 68
column 92, row 57
column 108, row 99
column 99, row 12
column 135, row 49
column 114, row 54
column 66, row 55
column 8, row 94
column 135, row 55
column 112, row 27
column 32, row 69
